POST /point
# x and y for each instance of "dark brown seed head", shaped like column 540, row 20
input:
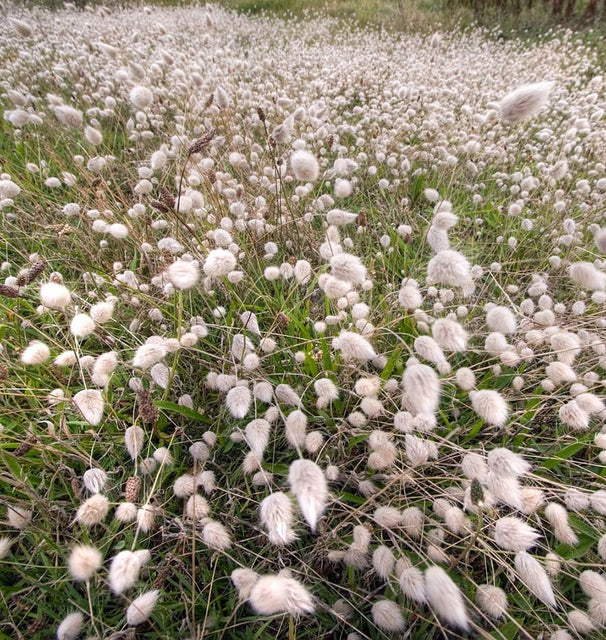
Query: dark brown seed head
column 25, row 447
column 35, row 626
column 282, row 320
column 261, row 114
column 8, row 291
column 76, row 487
column 160, row 206
column 167, row 198
column 133, row 487
column 147, row 410
column 198, row 145
column 35, row 270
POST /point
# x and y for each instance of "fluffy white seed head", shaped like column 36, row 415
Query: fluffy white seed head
column 84, row 561
column 125, row 568
column 349, row 268
column 449, row 267
column 93, row 511
column 422, row 388
column 501, row 319
column 525, row 101
column 445, row 598
column 490, row 406
column 148, row 354
column 449, row 335
column 90, row 404
column 383, row 561
column 219, row 262
column 70, row 626
column 274, row 594
column 353, row 347
column 532, row 574
column 18, row 517
column 81, row 325
column 55, row 295
column 304, row 166
column 276, row 515
column 141, row 608
column 387, row 616
column 412, row 584
column 491, row 600
column 35, row 353
column 308, row 484
column 183, row 275
column 514, row 534
column 216, row 536
column 238, row 401
column 587, row 276
column 141, row 97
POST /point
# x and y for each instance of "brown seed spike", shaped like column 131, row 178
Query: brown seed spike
column 261, row 114
column 282, row 320
column 8, row 291
column 148, row 412
column 35, row 270
column 25, row 447
column 166, row 198
column 160, row 206
column 133, row 487
column 201, row 142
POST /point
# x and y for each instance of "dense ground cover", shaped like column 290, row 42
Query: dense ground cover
column 302, row 330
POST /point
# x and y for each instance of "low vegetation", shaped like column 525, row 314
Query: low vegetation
column 302, row 329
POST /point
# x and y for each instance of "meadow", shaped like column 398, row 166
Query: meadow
column 302, row 328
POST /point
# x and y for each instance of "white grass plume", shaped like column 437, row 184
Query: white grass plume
column 532, row 574
column 587, row 276
column 525, row 101
column 70, row 626
column 238, row 401
column 276, row 515
column 280, row 594
column 348, row 267
column 501, row 319
column 84, row 561
column 421, row 387
column 257, row 435
column 304, row 166
column 387, row 616
column 449, row 267
column 514, row 534
column 124, row 569
column 308, row 484
column 445, row 598
column 428, row 349
column 353, row 347
column 141, row 608
column 557, row 516
column 449, row 335
column 412, row 584
column 490, row 406
column 90, row 404
column 491, row 600
column 296, row 428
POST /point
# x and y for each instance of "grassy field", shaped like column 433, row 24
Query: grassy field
column 236, row 241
